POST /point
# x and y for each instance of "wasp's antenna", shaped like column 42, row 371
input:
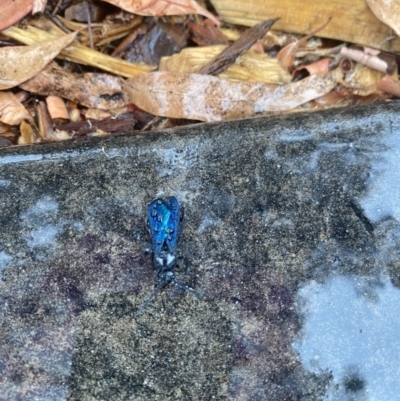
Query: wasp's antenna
column 150, row 298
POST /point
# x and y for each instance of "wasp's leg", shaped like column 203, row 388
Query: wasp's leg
column 150, row 298
column 185, row 287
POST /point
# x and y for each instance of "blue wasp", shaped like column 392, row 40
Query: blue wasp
column 164, row 218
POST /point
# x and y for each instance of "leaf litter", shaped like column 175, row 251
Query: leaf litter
column 77, row 68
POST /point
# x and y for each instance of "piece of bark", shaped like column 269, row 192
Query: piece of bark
column 100, row 91
column 221, row 62
column 351, row 21
column 12, row 112
column 161, row 40
column 44, row 121
column 206, row 35
column 136, row 33
column 122, row 123
column 79, row 12
column 4, row 142
column 143, row 118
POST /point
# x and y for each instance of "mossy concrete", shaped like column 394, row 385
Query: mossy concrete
column 270, row 204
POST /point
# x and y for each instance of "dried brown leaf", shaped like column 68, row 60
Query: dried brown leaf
column 56, row 107
column 11, row 11
column 389, row 85
column 158, row 8
column 19, row 63
column 207, row 98
column 388, row 11
column 28, row 134
column 12, row 112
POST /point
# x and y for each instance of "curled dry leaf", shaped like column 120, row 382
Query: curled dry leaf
column 157, row 8
column 19, row 63
column 207, row 98
column 318, row 67
column 287, row 55
column 373, row 58
column 100, row 91
column 389, row 85
column 12, row 112
column 388, row 11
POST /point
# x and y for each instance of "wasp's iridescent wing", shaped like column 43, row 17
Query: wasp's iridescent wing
column 174, row 222
column 164, row 219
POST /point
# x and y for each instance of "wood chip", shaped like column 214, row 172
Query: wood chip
column 221, row 62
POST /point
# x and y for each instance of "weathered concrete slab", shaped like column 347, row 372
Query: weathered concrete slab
column 291, row 234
